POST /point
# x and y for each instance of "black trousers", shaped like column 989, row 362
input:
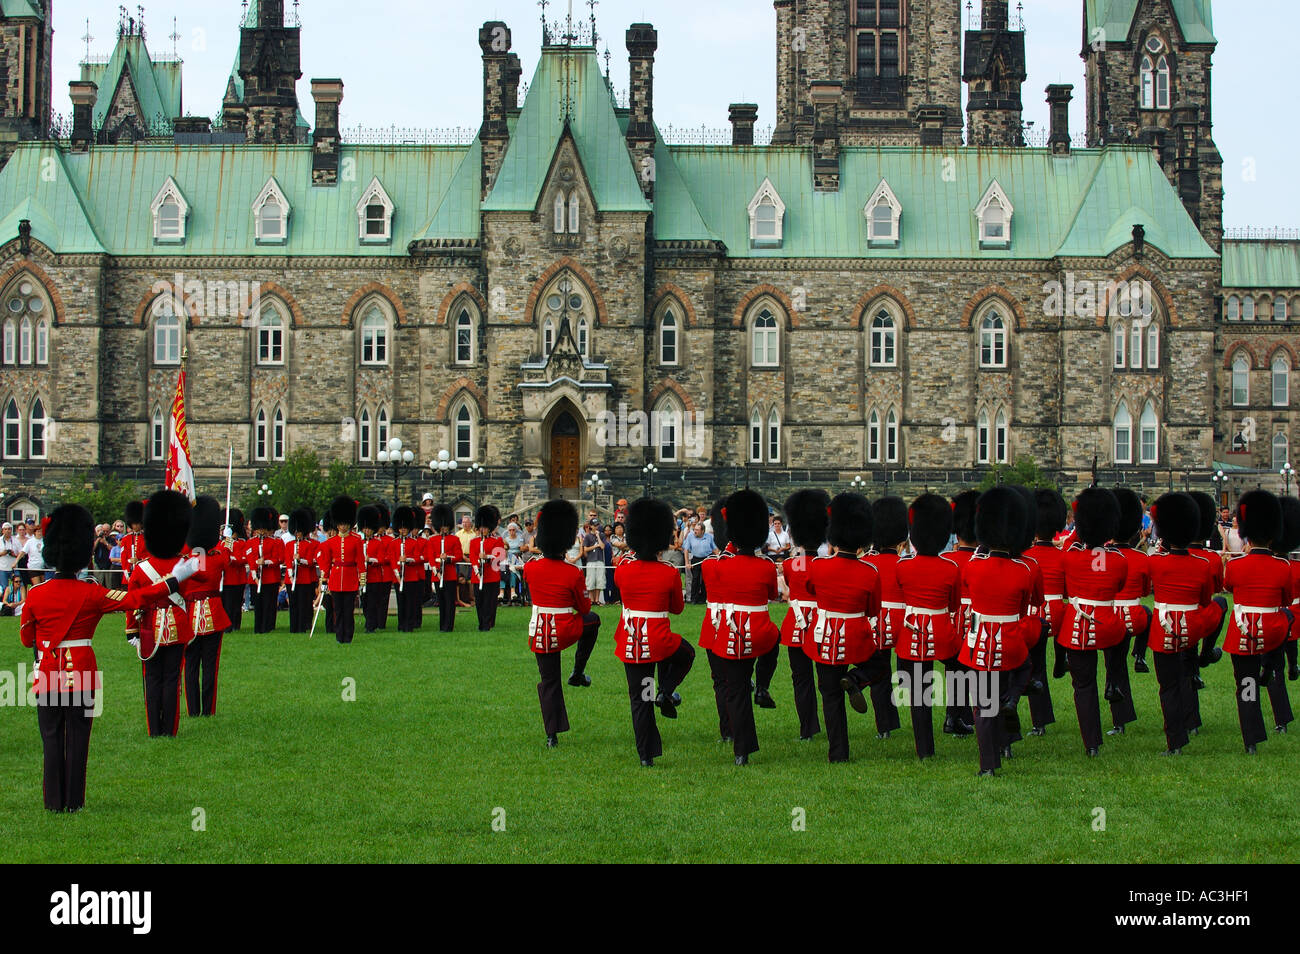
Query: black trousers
column 1118, row 685
column 1082, row 664
column 740, row 705
column 719, row 673
column 550, row 691
column 485, row 603
column 882, row 695
column 162, row 690
column 869, row 674
column 202, row 663
column 1246, row 670
column 641, row 693
column 265, row 607
column 65, row 724
column 232, row 601
column 345, row 608
column 302, row 601
column 410, row 606
column 1041, row 711
column 447, row 607
column 805, row 692
column 698, row 592
column 1171, row 676
column 920, row 704
column 374, row 605
column 994, row 721
column 765, row 668
column 1278, row 696
column 327, row 609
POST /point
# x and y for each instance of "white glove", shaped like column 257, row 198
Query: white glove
column 185, row 569
column 134, row 641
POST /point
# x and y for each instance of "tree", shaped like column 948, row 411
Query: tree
column 300, row 482
column 1025, row 471
column 105, row 495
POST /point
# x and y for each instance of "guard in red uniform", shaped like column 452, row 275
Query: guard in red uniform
column 377, row 586
column 442, row 552
column 888, row 537
column 133, row 552
column 843, row 645
column 651, row 591
column 562, row 614
column 1209, row 546
column 1000, row 588
column 1128, row 602
column 1284, row 547
column 59, row 620
column 1051, row 513
column 931, row 591
column 1260, row 584
column 233, row 540
column 1186, row 612
column 963, row 528
column 208, row 617
column 341, row 566
column 411, row 570
column 713, row 616
column 487, row 554
column 165, row 628
column 299, row 569
column 264, row 555
column 806, row 517
column 745, row 584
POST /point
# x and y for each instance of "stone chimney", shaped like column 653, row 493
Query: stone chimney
column 510, row 93
column 642, row 42
column 328, row 93
column 931, row 120
column 83, row 95
column 825, row 97
column 1187, row 127
column 994, row 15
column 494, row 40
column 743, row 118
column 1058, row 98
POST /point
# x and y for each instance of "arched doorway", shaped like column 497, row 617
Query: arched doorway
column 566, row 455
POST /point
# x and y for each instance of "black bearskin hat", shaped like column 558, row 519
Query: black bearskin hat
column 442, row 517
column 805, row 516
column 1177, row 520
column 69, row 539
column 236, row 522
column 718, row 521
column 1259, row 517
column 1000, row 519
column 1096, row 517
column 1052, row 512
column 385, row 517
column 302, row 520
column 850, row 522
column 1290, row 537
column 1031, row 517
column 205, row 527
column 167, row 518
column 488, row 517
column 747, row 525
column 931, row 524
column 888, row 523
column 133, row 515
column 343, row 512
column 263, row 518
column 1130, row 515
column 557, row 528
column 963, row 515
column 404, row 518
column 1207, row 528
column 368, row 518
column 649, row 527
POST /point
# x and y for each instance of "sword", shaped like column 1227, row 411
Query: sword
column 320, row 601
column 401, row 559
column 293, row 580
column 365, row 563
column 260, row 549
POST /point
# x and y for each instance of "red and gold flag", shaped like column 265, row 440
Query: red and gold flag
column 180, row 473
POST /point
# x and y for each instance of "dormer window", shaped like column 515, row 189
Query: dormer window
column 170, row 211
column 271, row 215
column 766, row 217
column 375, row 214
column 994, row 213
column 883, row 212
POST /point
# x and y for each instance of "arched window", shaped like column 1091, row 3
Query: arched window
column 1135, row 349
column 1153, row 344
column 374, row 336
column 271, row 214
column 883, row 213
column 166, row 333
column 464, row 337
column 270, row 336
column 575, row 212
column 259, row 435
column 993, row 341
column 25, row 341
column 560, row 208
column 1281, row 381
column 26, row 330
column 1279, row 308
column 277, row 435
column 982, row 438
column 1281, row 451
column 548, row 338
column 1154, row 75
column 464, row 437
column 381, row 429
column 568, row 213
column 995, row 213
column 766, row 338
column 891, row 438
column 565, row 301
column 873, row 438
column 1149, row 438
column 1240, row 381
column 756, row 437
column 36, row 431
column 667, row 421
column 13, row 432
column 1001, row 451
column 375, row 213
column 1248, row 308
column 269, row 219
column 1120, row 349
column 157, row 436
column 42, row 342
column 766, row 217
column 365, row 436
column 584, row 339
column 169, row 219
column 668, row 339
column 1123, row 433
column 169, row 213
column 11, row 342
column 1234, row 308
column 774, row 436
column 884, row 338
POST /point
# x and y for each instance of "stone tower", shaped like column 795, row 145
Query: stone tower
column 898, row 63
column 26, row 73
column 1148, row 77
column 269, row 66
column 995, row 69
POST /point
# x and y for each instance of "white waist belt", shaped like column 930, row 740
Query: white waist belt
column 965, row 601
column 812, row 604
column 924, row 611
column 1255, row 610
column 643, row 614
column 737, row 608
column 1080, row 601
column 983, row 618
column 73, row 644
column 893, row 606
column 831, row 614
column 1177, row 607
column 1059, row 597
column 554, row 610
column 1123, row 603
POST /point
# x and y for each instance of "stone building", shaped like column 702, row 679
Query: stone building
column 569, row 295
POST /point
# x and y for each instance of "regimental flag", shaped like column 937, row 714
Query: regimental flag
column 180, row 475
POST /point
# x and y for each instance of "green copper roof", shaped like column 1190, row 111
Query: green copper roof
column 20, row 8
column 157, row 84
column 457, row 216
column 1115, row 17
column 100, row 200
column 1084, row 204
column 593, row 125
column 1258, row 264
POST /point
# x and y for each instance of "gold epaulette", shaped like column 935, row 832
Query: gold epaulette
column 116, row 594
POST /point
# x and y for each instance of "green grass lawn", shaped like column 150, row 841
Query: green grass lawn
column 445, row 736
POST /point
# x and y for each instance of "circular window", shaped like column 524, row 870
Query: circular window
column 25, row 289
column 16, row 305
column 575, row 303
column 1154, row 44
column 36, row 306
column 555, row 302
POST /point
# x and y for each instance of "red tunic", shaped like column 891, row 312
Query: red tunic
column 133, row 551
column 201, row 591
column 959, row 558
column 169, row 623
column 299, row 566
column 801, row 617
column 339, row 559
column 1037, row 601
column 651, row 590
column 441, row 554
column 1295, row 603
column 931, row 588
column 486, row 558
column 408, row 559
column 847, row 591
column 713, row 611
column 1137, row 584
column 1051, row 563
column 1183, row 585
column 61, row 612
column 1260, row 584
column 1215, row 560
column 999, row 589
column 236, row 570
column 263, row 556
column 888, row 624
column 745, row 585
column 559, row 593
column 378, row 567
column 1092, row 578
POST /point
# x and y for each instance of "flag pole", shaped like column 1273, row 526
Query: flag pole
column 230, row 470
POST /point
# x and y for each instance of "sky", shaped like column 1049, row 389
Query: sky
column 417, row 64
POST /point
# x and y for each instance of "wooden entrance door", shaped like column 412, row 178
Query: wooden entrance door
column 566, row 451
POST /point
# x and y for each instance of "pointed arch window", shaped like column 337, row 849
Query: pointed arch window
column 756, row 437
column 1122, row 431
column 1153, row 345
column 575, row 212
column 157, row 436
column 548, row 338
column 26, row 332
column 374, row 337
column 259, row 435
column 464, row 433
column 561, row 206
column 765, row 334
column 166, row 333
column 464, row 337
column 1281, row 451
column 25, row 341
column 365, row 436
column 995, row 213
column 1240, row 381
column 271, row 215
column 873, row 438
column 170, row 211
column 277, row 435
column 42, row 342
column 884, row 214
column 1155, row 78
column 381, row 429
column 884, row 341
column 584, row 338
column 982, row 438
column 1001, row 440
column 668, row 339
column 774, row 436
column 1120, row 346
column 667, row 421
column 766, row 217
column 568, row 213
column 11, row 342
column 375, row 213
column 270, row 336
column 891, row 438
column 1281, row 381
column 13, row 431
column 1149, row 436
column 993, row 341
column 36, row 431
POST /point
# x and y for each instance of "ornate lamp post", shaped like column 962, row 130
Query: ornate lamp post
column 649, row 471
column 859, row 485
column 477, row 473
column 596, row 487
column 397, row 460
column 1287, row 473
column 442, row 465
column 1220, row 481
